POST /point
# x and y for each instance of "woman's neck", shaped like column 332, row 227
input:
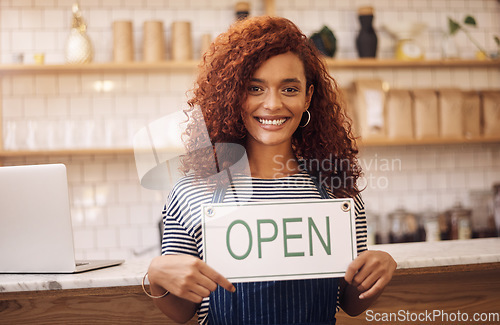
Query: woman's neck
column 271, row 161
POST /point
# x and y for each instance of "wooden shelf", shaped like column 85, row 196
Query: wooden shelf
column 191, row 66
column 126, row 151
column 174, row 66
column 428, row 141
column 64, row 152
column 392, row 63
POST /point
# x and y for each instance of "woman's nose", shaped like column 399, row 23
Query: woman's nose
column 273, row 100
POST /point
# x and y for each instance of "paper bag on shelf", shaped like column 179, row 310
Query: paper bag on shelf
column 491, row 113
column 349, row 103
column 370, row 107
column 472, row 114
column 451, row 123
column 399, row 114
column 425, row 112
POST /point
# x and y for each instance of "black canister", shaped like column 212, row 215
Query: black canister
column 366, row 42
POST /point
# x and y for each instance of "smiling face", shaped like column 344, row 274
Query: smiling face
column 277, row 96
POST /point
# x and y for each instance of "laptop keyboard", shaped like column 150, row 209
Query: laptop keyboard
column 81, row 263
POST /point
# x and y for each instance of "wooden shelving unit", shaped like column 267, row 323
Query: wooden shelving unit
column 392, row 63
column 428, row 141
column 129, row 151
column 64, row 152
column 164, row 66
column 191, row 66
column 183, row 66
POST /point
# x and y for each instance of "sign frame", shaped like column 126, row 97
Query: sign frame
column 345, row 206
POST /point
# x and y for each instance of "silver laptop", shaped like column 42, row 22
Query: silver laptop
column 35, row 224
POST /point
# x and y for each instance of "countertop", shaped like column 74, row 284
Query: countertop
column 130, row 273
column 443, row 253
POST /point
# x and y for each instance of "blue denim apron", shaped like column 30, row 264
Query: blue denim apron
column 298, row 302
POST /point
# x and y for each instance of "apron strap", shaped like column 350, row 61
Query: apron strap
column 321, row 189
column 220, row 192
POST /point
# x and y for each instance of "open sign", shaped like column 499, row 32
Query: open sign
column 279, row 240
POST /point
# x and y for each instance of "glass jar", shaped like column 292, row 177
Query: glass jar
column 404, row 226
column 431, row 226
column 496, row 207
column 460, row 220
column 444, row 225
column 483, row 224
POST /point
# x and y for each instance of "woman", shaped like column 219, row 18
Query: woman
column 263, row 86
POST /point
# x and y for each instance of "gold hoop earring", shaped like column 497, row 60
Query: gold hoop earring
column 308, row 119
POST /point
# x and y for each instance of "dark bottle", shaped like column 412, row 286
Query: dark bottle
column 366, row 42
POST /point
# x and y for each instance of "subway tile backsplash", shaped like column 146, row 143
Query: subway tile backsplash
column 43, row 26
column 113, row 216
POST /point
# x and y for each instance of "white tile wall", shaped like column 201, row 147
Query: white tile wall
column 42, row 26
column 431, row 177
column 113, row 215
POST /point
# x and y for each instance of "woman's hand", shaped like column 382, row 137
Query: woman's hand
column 365, row 279
column 185, row 276
column 370, row 272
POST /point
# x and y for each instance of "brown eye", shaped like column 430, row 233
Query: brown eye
column 253, row 88
column 290, row 90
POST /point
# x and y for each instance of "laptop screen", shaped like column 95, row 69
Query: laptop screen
column 35, row 223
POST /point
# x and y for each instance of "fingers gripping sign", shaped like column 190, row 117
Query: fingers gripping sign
column 186, row 277
column 370, row 272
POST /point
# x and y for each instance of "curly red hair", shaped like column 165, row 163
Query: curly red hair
column 326, row 146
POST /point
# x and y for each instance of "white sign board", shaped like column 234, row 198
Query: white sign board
column 279, row 240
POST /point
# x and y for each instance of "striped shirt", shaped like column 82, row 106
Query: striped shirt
column 182, row 214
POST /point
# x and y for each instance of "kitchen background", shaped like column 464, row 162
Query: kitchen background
column 113, row 216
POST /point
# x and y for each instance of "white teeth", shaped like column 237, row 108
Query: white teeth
column 272, row 122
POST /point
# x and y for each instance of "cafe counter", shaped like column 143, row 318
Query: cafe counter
column 447, row 276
